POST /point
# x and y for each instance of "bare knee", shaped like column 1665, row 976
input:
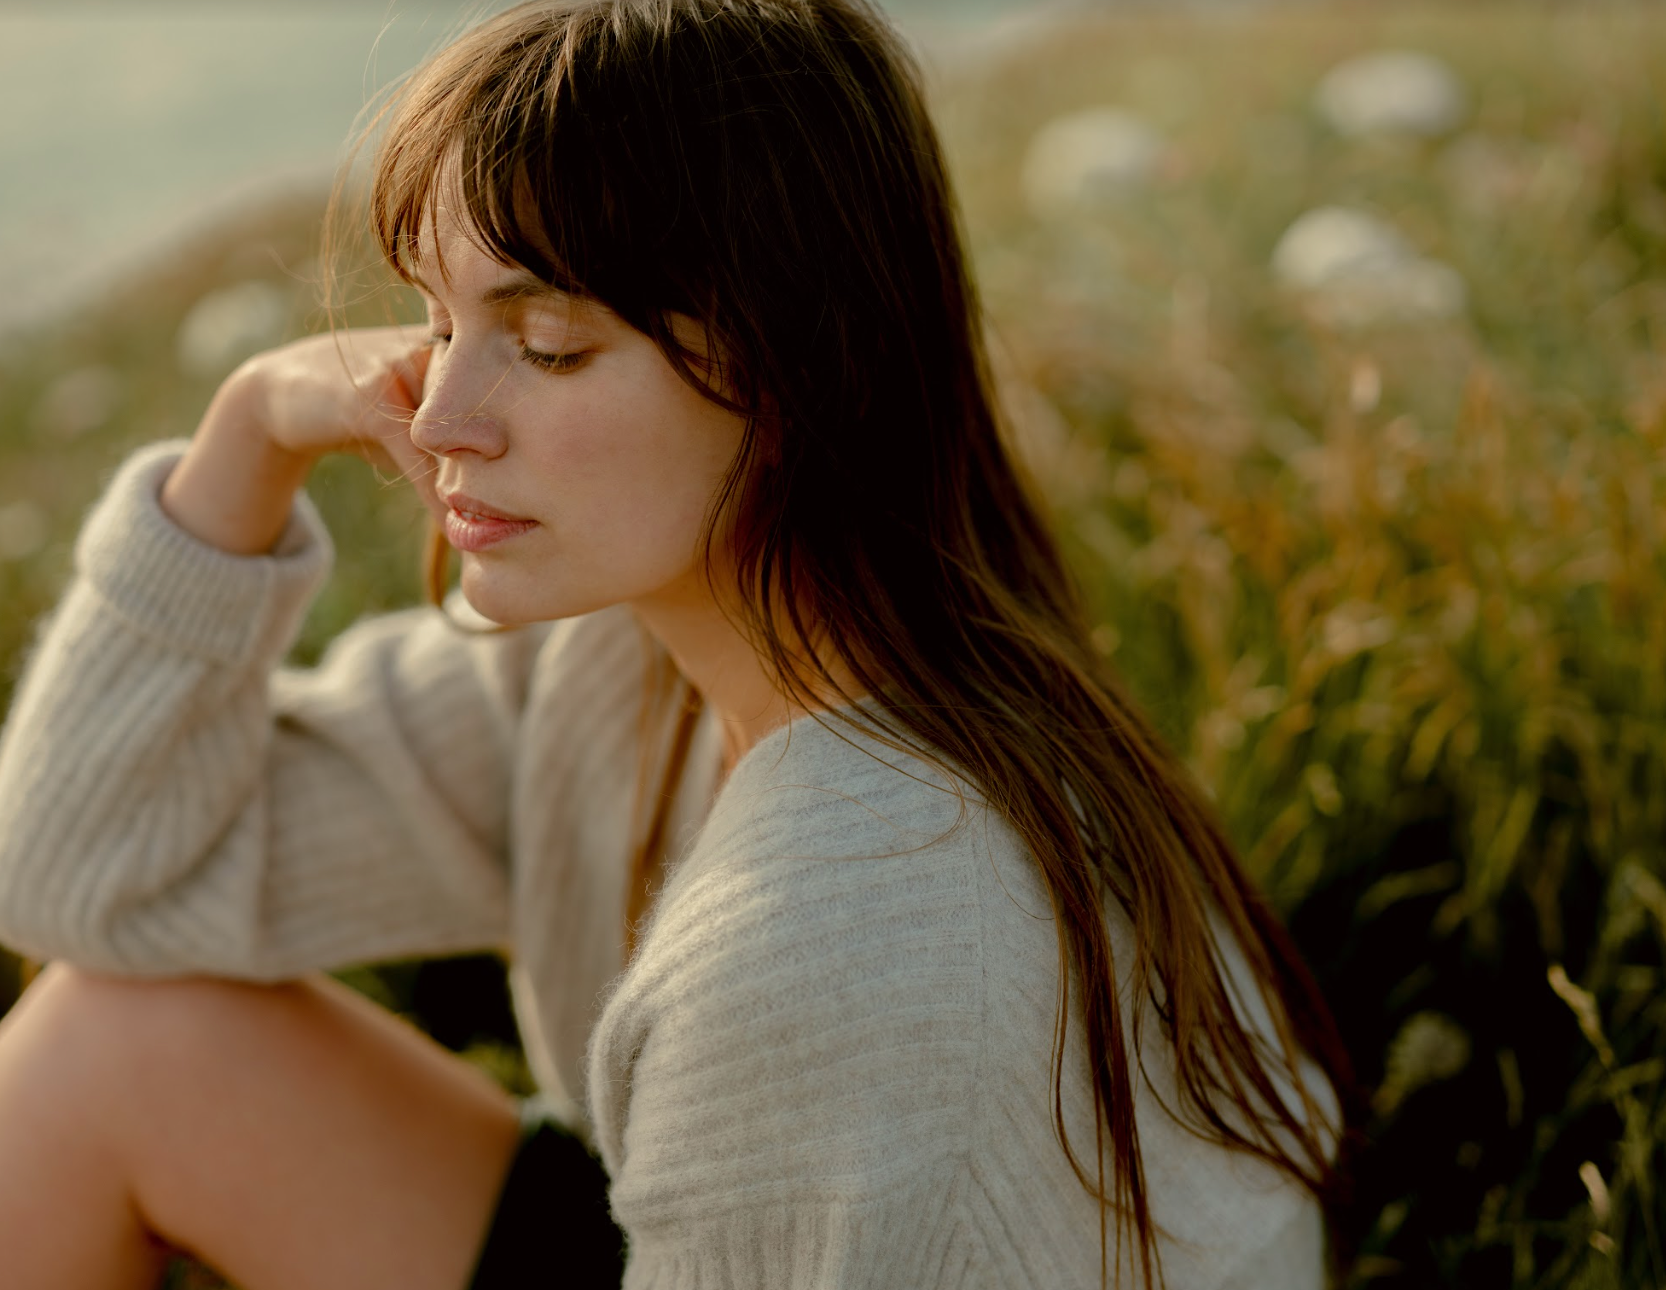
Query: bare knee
column 224, row 1107
column 73, row 1022
column 87, row 1014
column 67, row 1216
column 63, row 988
column 112, row 1045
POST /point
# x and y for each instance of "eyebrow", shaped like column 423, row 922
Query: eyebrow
column 522, row 286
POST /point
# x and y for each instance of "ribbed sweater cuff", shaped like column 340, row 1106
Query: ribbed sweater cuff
column 178, row 589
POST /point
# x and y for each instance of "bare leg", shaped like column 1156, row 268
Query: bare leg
column 296, row 1137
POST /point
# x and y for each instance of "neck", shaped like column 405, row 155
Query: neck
column 720, row 663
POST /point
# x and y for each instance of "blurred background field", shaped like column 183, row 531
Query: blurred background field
column 1347, row 383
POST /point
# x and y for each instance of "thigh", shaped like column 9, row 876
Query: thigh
column 300, row 1137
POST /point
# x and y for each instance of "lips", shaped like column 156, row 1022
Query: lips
column 474, row 509
column 473, row 525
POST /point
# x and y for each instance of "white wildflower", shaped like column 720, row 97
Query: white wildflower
column 1357, row 270
column 226, row 326
column 1086, row 160
column 1393, row 92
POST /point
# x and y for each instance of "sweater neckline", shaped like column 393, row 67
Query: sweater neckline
column 780, row 735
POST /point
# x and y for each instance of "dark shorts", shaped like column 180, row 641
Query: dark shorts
column 552, row 1226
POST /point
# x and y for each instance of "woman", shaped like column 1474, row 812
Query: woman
column 880, row 939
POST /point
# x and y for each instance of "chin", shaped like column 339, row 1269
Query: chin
column 500, row 601
column 493, row 602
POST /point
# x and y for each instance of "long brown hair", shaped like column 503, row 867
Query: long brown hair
column 768, row 168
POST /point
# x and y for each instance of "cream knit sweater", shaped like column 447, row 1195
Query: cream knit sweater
column 827, row 1064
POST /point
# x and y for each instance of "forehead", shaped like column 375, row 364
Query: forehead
column 450, row 261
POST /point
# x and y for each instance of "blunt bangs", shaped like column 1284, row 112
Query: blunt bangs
column 464, row 134
column 534, row 128
column 747, row 164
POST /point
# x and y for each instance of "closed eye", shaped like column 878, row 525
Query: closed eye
column 538, row 358
column 553, row 362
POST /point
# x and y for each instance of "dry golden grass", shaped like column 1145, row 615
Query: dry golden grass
column 1399, row 591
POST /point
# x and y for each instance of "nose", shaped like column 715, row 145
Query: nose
column 455, row 414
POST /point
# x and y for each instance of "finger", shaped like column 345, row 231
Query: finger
column 415, row 466
column 400, row 392
column 408, row 373
column 368, row 354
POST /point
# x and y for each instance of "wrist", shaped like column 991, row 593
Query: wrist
column 235, row 486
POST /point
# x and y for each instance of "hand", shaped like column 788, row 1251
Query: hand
column 276, row 415
column 347, row 391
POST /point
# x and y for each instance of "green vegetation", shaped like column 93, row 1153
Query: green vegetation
column 1399, row 592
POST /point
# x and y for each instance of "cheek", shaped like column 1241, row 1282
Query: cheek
column 651, row 461
column 694, row 472
column 624, row 499
column 658, row 509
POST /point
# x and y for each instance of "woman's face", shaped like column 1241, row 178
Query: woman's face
column 575, row 465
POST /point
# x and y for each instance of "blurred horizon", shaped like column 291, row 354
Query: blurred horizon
column 125, row 128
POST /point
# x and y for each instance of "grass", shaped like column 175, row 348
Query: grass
column 1398, row 593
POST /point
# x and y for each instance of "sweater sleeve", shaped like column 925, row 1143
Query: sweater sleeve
column 785, row 1083
column 170, row 803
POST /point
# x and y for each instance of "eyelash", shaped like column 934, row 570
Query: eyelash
column 551, row 362
column 539, row 359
